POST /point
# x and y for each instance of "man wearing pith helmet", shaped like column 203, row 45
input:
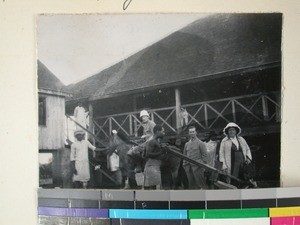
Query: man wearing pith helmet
column 147, row 124
column 80, row 159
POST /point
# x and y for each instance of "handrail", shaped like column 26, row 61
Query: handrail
column 101, row 170
column 105, row 174
column 202, row 165
column 209, row 118
column 68, row 116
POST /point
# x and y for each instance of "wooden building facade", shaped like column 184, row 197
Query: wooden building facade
column 51, row 106
column 51, row 119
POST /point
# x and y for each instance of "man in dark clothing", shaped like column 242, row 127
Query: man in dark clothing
column 196, row 150
column 154, row 154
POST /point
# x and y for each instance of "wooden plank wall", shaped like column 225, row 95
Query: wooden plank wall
column 52, row 135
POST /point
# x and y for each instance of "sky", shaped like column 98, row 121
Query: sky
column 75, row 47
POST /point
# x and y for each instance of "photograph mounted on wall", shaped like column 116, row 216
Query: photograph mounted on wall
column 159, row 101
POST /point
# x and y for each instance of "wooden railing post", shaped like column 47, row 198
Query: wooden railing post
column 134, row 110
column 67, row 125
column 205, row 116
column 110, row 125
column 130, row 124
column 177, row 107
column 265, row 108
column 135, row 124
column 91, row 123
column 278, row 112
column 152, row 116
column 233, row 111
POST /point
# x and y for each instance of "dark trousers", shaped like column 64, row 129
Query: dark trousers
column 131, row 172
column 78, row 184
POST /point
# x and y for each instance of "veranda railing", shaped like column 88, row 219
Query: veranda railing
column 255, row 109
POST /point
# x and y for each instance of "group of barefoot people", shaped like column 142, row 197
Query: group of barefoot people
column 230, row 153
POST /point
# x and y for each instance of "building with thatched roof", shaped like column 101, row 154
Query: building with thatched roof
column 220, row 56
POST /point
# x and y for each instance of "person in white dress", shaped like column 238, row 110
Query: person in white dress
column 80, row 159
column 80, row 116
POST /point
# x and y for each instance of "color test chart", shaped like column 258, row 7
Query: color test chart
column 272, row 206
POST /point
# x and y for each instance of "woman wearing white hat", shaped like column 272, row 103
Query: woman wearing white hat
column 234, row 150
column 147, row 124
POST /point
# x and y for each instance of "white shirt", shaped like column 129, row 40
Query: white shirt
column 235, row 141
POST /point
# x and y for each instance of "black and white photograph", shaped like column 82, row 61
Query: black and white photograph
column 159, row 101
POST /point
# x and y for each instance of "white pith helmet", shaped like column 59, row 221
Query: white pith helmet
column 234, row 125
column 144, row 113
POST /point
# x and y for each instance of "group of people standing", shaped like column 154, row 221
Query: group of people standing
column 231, row 152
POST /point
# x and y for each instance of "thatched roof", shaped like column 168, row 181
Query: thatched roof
column 215, row 45
column 47, row 80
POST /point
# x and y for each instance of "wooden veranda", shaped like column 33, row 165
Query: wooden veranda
column 252, row 111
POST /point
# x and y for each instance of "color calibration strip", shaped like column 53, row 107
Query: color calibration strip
column 284, row 212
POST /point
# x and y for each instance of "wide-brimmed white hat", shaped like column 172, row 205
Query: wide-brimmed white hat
column 144, row 113
column 230, row 125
